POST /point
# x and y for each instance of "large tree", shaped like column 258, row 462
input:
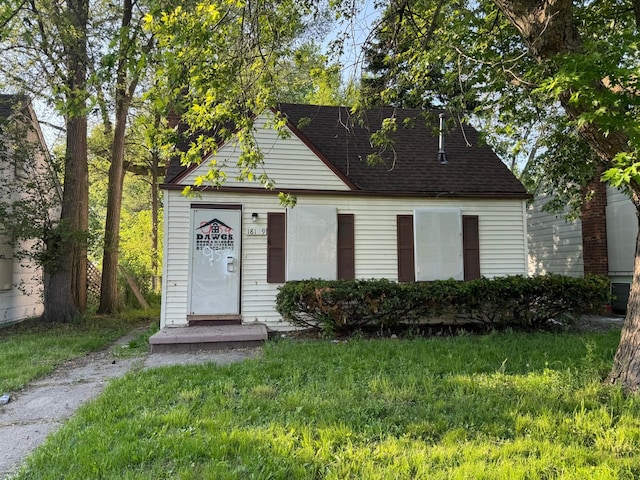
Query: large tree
column 44, row 46
column 561, row 66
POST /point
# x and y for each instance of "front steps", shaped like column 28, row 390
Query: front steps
column 209, row 337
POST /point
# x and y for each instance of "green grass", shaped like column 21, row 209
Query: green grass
column 495, row 407
column 31, row 349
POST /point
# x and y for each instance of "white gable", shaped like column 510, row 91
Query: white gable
column 288, row 162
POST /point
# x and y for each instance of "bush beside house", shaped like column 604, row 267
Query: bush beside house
column 484, row 304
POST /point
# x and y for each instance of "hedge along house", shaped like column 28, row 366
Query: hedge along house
column 436, row 206
column 23, row 161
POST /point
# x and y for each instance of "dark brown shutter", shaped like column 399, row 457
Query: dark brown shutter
column 276, row 241
column 346, row 247
column 406, row 264
column 471, row 247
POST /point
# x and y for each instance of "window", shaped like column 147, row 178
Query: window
column 276, row 237
column 438, row 244
column 312, row 237
column 310, row 242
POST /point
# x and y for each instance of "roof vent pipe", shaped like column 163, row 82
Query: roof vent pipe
column 441, row 155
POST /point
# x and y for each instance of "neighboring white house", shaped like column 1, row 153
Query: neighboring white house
column 20, row 279
column 425, row 213
column 557, row 246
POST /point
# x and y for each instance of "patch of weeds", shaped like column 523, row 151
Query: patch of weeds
column 138, row 345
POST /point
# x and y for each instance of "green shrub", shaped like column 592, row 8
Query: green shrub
column 516, row 302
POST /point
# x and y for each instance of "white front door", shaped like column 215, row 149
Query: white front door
column 215, row 261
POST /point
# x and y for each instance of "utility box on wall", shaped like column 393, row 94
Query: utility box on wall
column 6, row 267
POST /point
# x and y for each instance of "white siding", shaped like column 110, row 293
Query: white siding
column 555, row 245
column 280, row 155
column 502, row 233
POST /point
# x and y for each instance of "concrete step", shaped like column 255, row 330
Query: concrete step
column 215, row 320
column 219, row 337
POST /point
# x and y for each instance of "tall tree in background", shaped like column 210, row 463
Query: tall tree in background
column 129, row 60
column 562, row 66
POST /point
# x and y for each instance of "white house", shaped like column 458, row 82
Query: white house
column 20, row 279
column 427, row 212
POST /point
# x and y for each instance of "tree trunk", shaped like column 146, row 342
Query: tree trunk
column 59, row 304
column 66, row 280
column 155, row 207
column 109, row 299
column 626, row 364
column 155, row 281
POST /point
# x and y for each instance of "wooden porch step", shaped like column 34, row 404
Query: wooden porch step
column 219, row 337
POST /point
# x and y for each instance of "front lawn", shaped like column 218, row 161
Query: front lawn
column 497, row 407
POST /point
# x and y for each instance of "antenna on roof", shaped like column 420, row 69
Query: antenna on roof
column 441, row 155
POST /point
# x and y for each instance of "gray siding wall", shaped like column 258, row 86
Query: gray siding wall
column 555, row 245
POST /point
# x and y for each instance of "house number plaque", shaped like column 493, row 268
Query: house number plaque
column 256, row 231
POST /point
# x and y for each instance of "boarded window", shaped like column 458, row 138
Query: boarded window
column 312, row 237
column 438, row 244
column 406, row 264
column 276, row 238
column 471, row 247
column 346, row 247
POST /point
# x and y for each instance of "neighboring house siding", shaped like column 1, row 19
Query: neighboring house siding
column 20, row 279
column 555, row 245
column 24, row 301
column 279, row 156
column 501, row 232
column 622, row 230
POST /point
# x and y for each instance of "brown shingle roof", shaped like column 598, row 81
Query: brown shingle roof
column 411, row 166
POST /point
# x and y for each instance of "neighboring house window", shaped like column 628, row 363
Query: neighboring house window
column 438, row 244
column 346, row 247
column 406, row 263
column 6, row 265
column 276, row 238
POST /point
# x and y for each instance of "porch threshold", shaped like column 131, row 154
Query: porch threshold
column 219, row 337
